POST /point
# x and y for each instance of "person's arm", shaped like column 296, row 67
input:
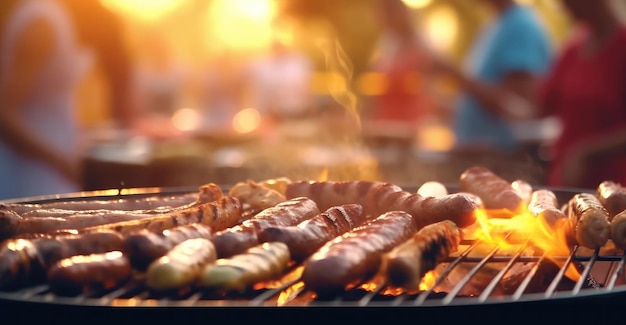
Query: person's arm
column 512, row 98
column 32, row 50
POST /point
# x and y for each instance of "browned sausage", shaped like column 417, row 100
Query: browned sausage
column 309, row 235
column 237, row 239
column 612, row 196
column 544, row 205
column 588, row 220
column 144, row 246
column 378, row 198
column 405, row 265
column 218, row 215
column 356, row 255
column 618, row 230
column 23, row 261
column 495, row 192
column 82, row 273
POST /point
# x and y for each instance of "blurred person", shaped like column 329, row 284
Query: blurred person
column 400, row 61
column 278, row 83
column 43, row 57
column 504, row 69
column 586, row 91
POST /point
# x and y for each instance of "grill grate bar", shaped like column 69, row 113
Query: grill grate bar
column 531, row 274
column 550, row 291
column 496, row 280
column 585, row 274
column 610, row 283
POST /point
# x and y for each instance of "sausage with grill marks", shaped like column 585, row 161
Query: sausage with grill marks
column 82, row 273
column 46, row 220
column 612, row 196
column 26, row 261
column 495, row 192
column 181, row 266
column 309, row 235
column 206, row 193
column 237, row 239
column 588, row 220
column 544, row 205
column 356, row 255
column 618, row 230
column 263, row 262
column 144, row 246
column 406, row 264
column 378, row 198
column 218, row 215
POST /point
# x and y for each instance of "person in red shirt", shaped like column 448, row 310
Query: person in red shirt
column 586, row 90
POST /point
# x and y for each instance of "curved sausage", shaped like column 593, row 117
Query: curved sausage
column 495, row 192
column 309, row 235
column 237, row 239
column 618, row 230
column 356, row 255
column 544, row 205
column 377, row 198
column 80, row 273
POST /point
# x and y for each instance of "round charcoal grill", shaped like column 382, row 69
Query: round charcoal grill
column 465, row 279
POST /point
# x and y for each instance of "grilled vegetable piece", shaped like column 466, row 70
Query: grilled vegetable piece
column 144, row 246
column 260, row 263
column 618, row 230
column 257, row 196
column 237, row 239
column 181, row 266
column 356, row 255
column 406, row 264
column 26, row 261
column 218, row 215
column 612, row 196
column 79, row 273
column 544, row 205
column 588, row 220
column 378, row 198
column 309, row 235
column 495, row 192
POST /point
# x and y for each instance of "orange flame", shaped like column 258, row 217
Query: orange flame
column 508, row 230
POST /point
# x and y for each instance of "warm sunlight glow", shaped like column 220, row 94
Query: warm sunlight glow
column 441, row 27
column 417, row 4
column 186, row 119
column 147, row 10
column 241, row 24
column 435, row 137
column 246, row 120
column 372, row 84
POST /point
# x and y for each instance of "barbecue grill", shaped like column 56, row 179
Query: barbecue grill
column 491, row 279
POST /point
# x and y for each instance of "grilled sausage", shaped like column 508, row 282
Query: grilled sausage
column 544, row 205
column 181, row 266
column 588, row 220
column 259, row 263
column 612, row 196
column 523, row 189
column 618, row 230
column 309, row 235
column 405, row 265
column 82, row 273
column 356, row 255
column 378, row 198
column 144, row 246
column 432, row 188
column 24, row 262
column 237, row 239
column 495, row 192
column 218, row 215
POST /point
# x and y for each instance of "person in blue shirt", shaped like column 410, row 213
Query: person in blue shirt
column 504, row 69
